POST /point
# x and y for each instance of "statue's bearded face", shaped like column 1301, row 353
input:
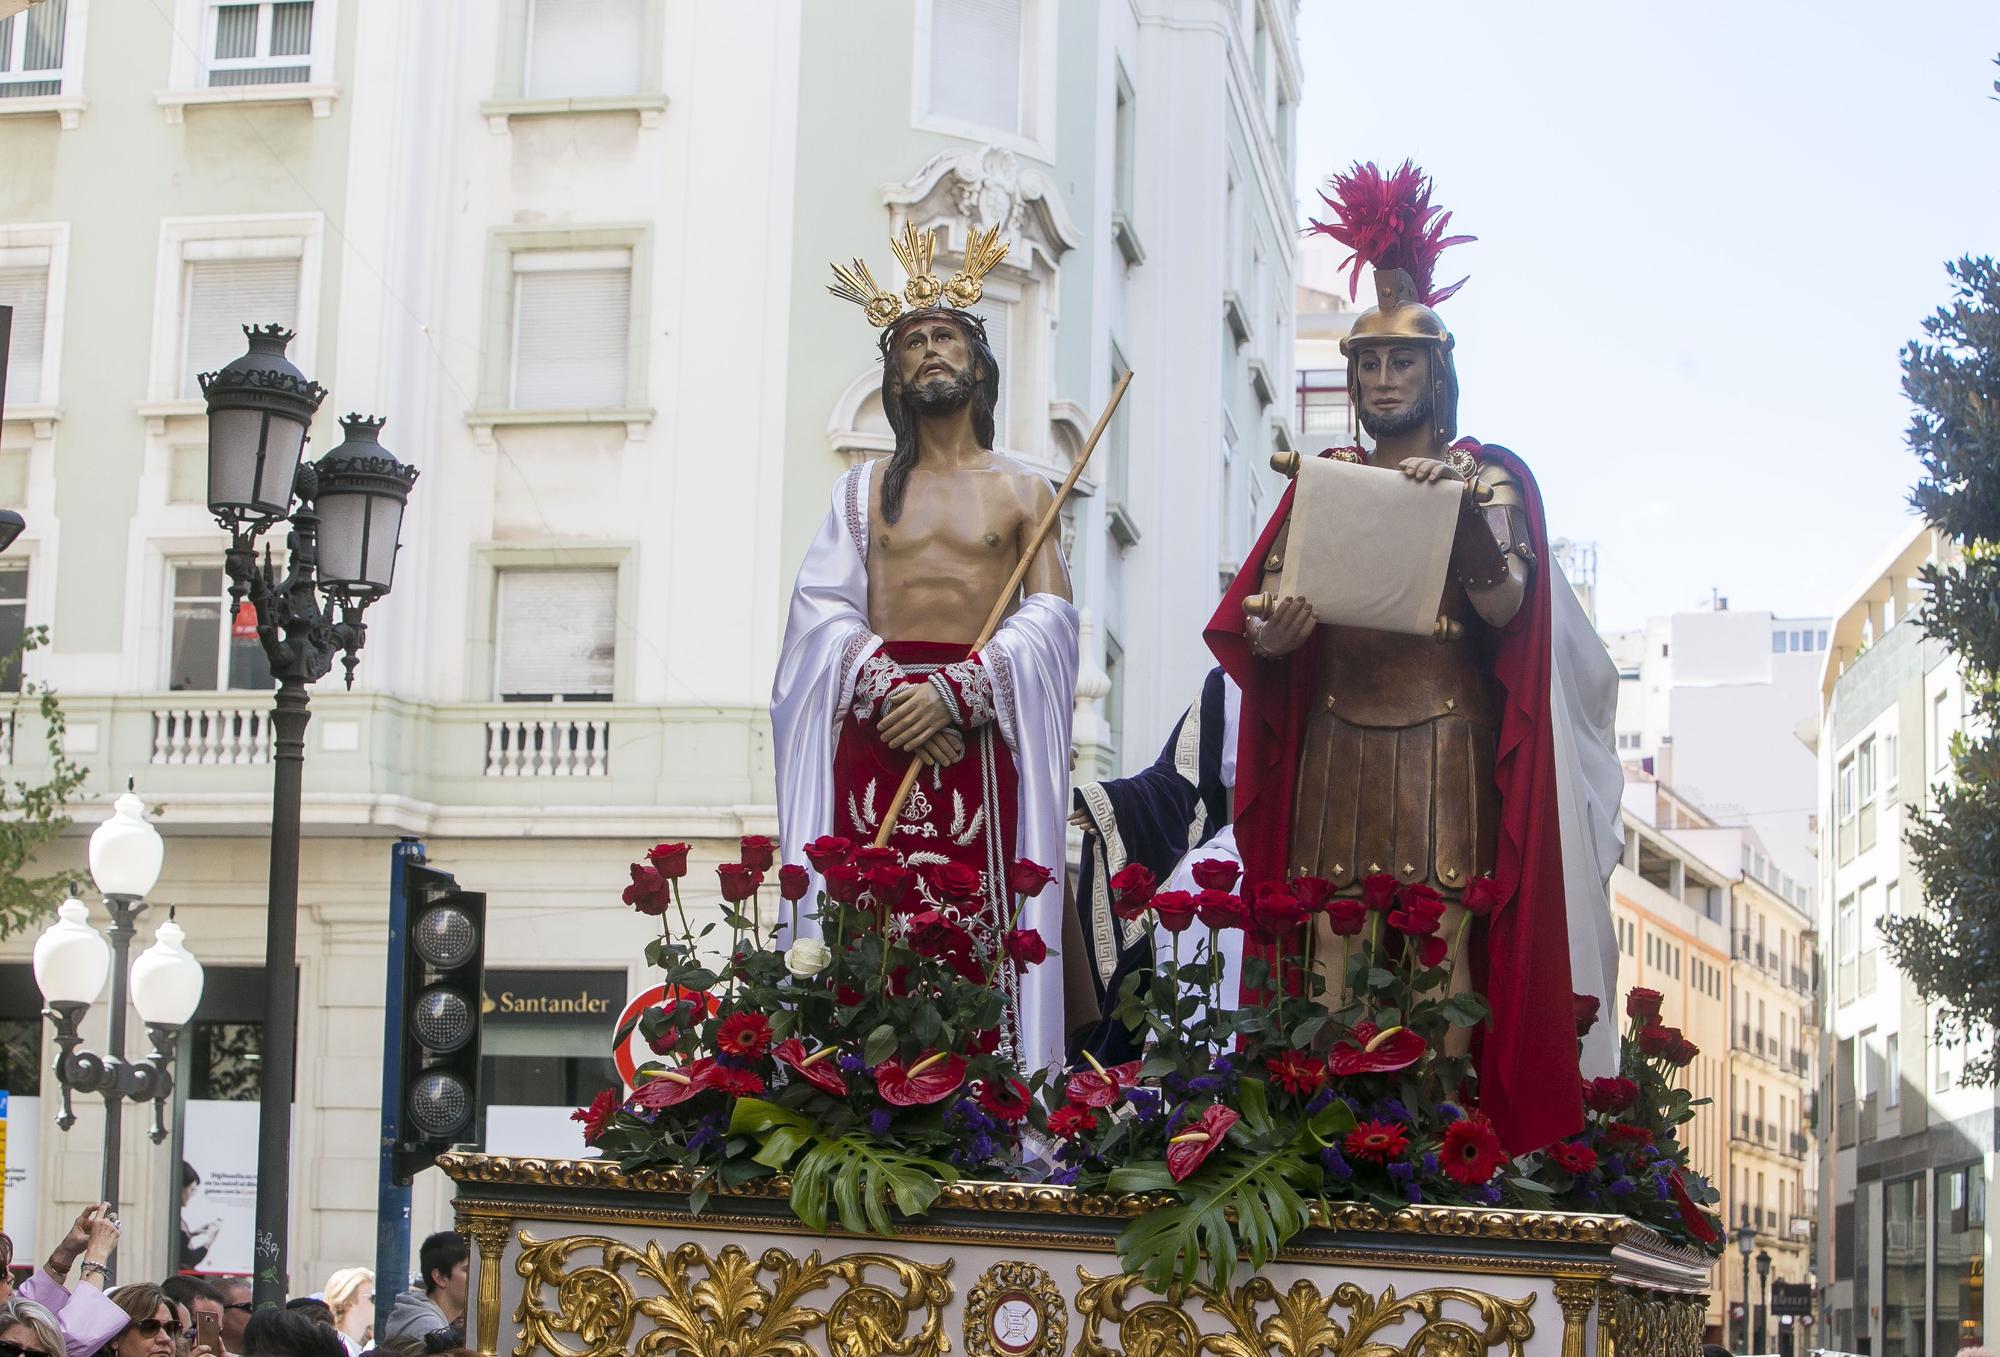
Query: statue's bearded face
column 935, row 368
column 1394, row 390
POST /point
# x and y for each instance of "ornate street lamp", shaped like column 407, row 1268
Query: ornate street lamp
column 1746, row 1240
column 1764, row 1283
column 346, row 517
column 11, row 526
column 73, row 961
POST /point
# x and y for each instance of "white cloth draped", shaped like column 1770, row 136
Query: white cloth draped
column 1032, row 660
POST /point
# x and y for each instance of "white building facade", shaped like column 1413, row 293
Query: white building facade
column 575, row 251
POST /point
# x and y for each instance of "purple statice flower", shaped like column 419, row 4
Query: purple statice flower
column 1430, row 1166
column 1319, row 1102
column 707, row 1132
column 1395, row 1111
column 1404, row 1176
column 1145, row 1103
column 878, row 1121
column 980, row 1149
column 1335, row 1164
column 1486, row 1194
column 1661, row 1188
column 1451, row 1112
column 1204, row 1086
column 1067, row 1176
column 851, row 1064
column 1223, row 1066
column 1619, row 1187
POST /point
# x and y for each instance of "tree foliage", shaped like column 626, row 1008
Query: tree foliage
column 1951, row 949
column 32, row 814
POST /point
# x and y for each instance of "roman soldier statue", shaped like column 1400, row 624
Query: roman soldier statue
column 876, row 667
column 1482, row 749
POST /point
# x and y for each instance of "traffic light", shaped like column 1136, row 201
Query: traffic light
column 443, row 955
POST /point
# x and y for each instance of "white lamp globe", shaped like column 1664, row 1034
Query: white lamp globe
column 72, row 959
column 166, row 979
column 126, row 851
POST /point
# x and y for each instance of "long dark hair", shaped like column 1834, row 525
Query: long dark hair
column 903, row 420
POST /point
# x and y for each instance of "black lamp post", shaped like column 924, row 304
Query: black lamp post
column 1764, row 1305
column 1746, row 1240
column 11, row 525
column 345, row 516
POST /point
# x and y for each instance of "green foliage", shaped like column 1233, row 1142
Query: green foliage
column 853, row 1176
column 1240, row 1200
column 1951, row 951
column 32, row 814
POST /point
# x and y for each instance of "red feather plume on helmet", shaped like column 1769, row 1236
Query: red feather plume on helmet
column 1390, row 223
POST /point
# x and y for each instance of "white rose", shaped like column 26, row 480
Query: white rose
column 807, row 958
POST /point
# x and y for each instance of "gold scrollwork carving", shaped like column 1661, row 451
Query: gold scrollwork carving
column 1644, row 1323
column 1302, row 1322
column 726, row 1304
column 1015, row 1310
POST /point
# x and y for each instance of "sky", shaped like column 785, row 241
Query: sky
column 1705, row 231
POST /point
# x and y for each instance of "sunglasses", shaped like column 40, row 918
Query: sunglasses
column 16, row 1350
column 245, row 1306
column 152, row 1328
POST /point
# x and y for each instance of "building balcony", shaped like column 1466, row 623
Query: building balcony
column 383, row 764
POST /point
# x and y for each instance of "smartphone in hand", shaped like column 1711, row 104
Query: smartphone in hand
column 208, row 1331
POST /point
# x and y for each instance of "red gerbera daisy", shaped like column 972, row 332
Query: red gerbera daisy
column 1625, row 1135
column 1376, row 1141
column 747, row 1035
column 736, row 1083
column 1070, row 1121
column 1004, row 1102
column 596, row 1116
column 1471, row 1153
column 1297, row 1072
column 1575, row 1158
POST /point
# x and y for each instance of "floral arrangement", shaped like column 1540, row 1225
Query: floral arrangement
column 866, row 1062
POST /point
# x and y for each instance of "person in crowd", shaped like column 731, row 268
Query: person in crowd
column 6, row 1268
column 350, row 1294
column 153, row 1326
column 400, row 1347
column 313, row 1308
column 437, row 1300
column 236, row 1311
column 290, row 1333
column 198, row 1298
column 26, row 1329
column 85, row 1318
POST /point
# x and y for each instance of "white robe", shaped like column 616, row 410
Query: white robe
column 1032, row 661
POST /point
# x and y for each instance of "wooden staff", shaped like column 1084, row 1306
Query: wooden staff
column 993, row 618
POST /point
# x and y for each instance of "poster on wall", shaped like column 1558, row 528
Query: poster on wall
column 218, row 1186
column 20, row 1142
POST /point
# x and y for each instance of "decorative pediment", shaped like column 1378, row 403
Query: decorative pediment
column 976, row 188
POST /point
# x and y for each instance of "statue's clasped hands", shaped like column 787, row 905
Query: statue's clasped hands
column 916, row 718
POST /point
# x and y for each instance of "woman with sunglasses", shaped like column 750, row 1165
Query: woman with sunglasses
column 28, row 1330
column 154, row 1328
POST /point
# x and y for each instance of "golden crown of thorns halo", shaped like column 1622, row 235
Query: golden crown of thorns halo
column 914, row 251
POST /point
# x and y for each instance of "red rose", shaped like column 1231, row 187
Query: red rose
column 597, row 1116
column 739, row 883
column 1376, row 1142
column 932, row 934
column 744, row 1034
column 1682, row 1052
column 1312, row 892
column 793, row 881
column 1346, row 917
column 1610, row 1096
column 1068, row 1122
column 1297, row 1072
column 870, row 856
column 1004, row 1102
column 1471, row 1153
column 1132, row 887
column 1419, row 910
column 1275, row 911
column 737, row 1083
column 828, row 851
column 1216, row 874
column 1025, row 947
column 1643, row 1004
column 955, row 881
column 928, row 1079
column 1572, row 1157
column 847, row 996
column 1175, row 910
column 1219, row 909
column 1482, row 896
column 758, row 852
column 1432, row 951
column 890, row 884
column 1196, row 1142
column 1371, row 1052
column 649, row 892
column 1378, row 892
column 817, row 1069
column 1699, row 1223
column 1656, row 1040
column 845, row 882
column 1585, row 1007
column 670, row 860
column 1028, row 878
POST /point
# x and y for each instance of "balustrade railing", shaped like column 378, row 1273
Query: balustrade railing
column 212, row 735
column 548, row 747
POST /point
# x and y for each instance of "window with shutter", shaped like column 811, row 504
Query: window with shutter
column 572, row 313
column 583, row 47
column 268, row 42
column 24, row 285
column 220, row 295
column 13, row 623
column 555, row 636
column 207, row 642
column 975, row 62
column 31, row 51
column 999, row 318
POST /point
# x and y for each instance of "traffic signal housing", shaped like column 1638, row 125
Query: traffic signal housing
column 443, row 949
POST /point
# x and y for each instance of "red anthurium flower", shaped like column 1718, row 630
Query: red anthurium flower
column 828, row 851
column 1377, row 1142
column 1275, row 911
column 1220, row 910
column 1216, row 874
column 1610, row 1096
column 758, row 852
column 1194, row 1143
column 1069, row 1121
column 669, row 859
column 1297, row 1072
column 928, row 1079
column 817, row 1069
column 1471, row 1153
column 1312, row 892
column 676, row 1086
column 1175, row 910
column 1482, row 896
column 1376, row 1053
column 1431, row 951
column 597, row 1116
column 1099, row 1086
column 1346, row 917
column 1585, row 1007
column 1643, row 1004
column 870, row 856
column 1656, row 1040
column 1028, row 878
column 1699, row 1223
column 845, row 882
column 743, row 1034
column 649, row 892
column 1378, row 892
column 1132, row 887
column 890, row 884
column 1006, row 1103
column 955, row 881
column 739, row 883
column 1025, row 947
column 793, row 881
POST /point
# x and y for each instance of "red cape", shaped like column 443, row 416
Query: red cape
column 1529, row 1082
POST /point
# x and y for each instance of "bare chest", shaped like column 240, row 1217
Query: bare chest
column 965, row 521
